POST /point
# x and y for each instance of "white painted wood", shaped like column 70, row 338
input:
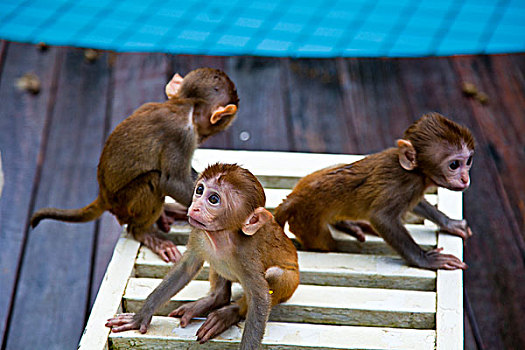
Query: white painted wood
column 109, row 296
column 316, row 304
column 165, row 332
column 284, row 164
column 449, row 286
column 425, row 236
column 331, row 269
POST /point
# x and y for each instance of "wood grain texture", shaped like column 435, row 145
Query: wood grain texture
column 55, row 276
column 22, row 124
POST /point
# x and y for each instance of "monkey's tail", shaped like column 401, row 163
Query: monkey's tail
column 88, row 213
column 282, row 212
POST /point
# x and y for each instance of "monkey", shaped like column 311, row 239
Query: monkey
column 382, row 187
column 243, row 243
column 148, row 156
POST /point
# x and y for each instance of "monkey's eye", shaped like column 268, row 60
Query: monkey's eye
column 214, row 199
column 454, row 165
column 469, row 161
column 199, row 190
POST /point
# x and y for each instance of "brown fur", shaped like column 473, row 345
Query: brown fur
column 148, row 156
column 251, row 249
column 378, row 189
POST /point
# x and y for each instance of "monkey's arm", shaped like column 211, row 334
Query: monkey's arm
column 181, row 274
column 395, row 234
column 258, row 297
column 455, row 227
column 220, row 295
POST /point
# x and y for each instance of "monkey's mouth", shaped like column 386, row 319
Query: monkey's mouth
column 195, row 223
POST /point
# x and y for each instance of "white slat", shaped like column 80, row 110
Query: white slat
column 449, row 315
column 316, row 304
column 109, row 295
column 165, row 332
column 331, row 269
column 425, row 236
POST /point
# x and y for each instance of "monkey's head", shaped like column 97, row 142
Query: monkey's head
column 439, row 148
column 214, row 92
column 228, row 197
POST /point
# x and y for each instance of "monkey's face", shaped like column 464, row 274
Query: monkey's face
column 453, row 169
column 210, row 209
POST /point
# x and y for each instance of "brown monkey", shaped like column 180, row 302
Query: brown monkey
column 382, row 187
column 148, row 156
column 242, row 243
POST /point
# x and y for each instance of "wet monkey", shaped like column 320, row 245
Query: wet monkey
column 148, row 156
column 382, row 187
column 242, row 243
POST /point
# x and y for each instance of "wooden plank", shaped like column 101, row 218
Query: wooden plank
column 55, row 276
column 330, row 269
column 449, row 286
column 316, row 304
column 109, row 296
column 424, row 236
column 166, row 332
column 22, row 126
column 317, row 113
column 135, row 79
column 377, row 111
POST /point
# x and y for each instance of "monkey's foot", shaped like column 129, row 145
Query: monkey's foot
column 355, row 229
column 171, row 213
column 435, row 260
column 217, row 322
column 164, row 248
column 128, row 321
column 192, row 309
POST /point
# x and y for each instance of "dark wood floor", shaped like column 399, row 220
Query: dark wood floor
column 50, row 144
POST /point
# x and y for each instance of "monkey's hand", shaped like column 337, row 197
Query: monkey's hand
column 457, row 228
column 129, row 321
column 435, row 260
column 195, row 308
column 217, row 322
column 164, row 248
column 171, row 213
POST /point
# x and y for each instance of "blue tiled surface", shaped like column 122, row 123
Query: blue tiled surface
column 297, row 28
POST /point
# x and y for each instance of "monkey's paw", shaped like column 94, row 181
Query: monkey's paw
column 217, row 322
column 435, row 260
column 457, row 228
column 128, row 321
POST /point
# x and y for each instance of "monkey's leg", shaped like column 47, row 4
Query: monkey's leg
column 220, row 295
column 313, row 234
column 454, row 227
column 282, row 283
column 140, row 204
column 355, row 229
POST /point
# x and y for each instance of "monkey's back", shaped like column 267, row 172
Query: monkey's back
column 135, row 147
column 346, row 191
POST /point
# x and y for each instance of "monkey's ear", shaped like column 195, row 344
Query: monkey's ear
column 407, row 154
column 173, row 86
column 256, row 220
column 221, row 112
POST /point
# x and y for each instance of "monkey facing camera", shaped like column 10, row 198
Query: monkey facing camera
column 148, row 156
column 242, row 243
column 381, row 188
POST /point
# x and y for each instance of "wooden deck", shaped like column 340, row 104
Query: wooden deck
column 50, row 144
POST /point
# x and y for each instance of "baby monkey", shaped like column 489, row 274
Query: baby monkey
column 382, row 187
column 148, row 156
column 242, row 243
